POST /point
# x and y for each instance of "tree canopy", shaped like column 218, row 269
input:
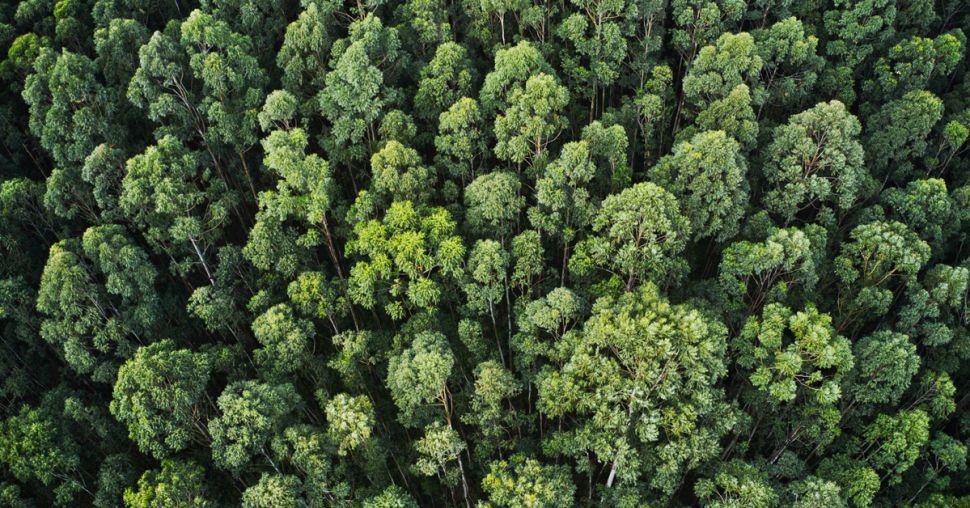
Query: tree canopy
column 484, row 253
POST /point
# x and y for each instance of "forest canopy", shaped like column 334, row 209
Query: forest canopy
column 484, row 253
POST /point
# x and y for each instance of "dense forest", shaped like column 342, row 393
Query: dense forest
column 484, row 253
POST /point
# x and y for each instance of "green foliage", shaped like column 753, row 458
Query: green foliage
column 493, row 202
column 881, row 258
column 532, row 120
column 563, row 204
column 285, row 340
column 815, row 161
column 639, row 233
column 886, row 365
column 178, row 203
column 176, row 485
column 418, row 376
column 249, row 414
column 35, row 446
column 794, row 355
column 708, row 177
column 159, row 396
column 408, row 258
column 273, row 491
column 752, row 274
column 93, row 324
column 898, row 132
column 640, row 340
column 350, row 420
column 354, row 90
column 444, row 80
column 484, row 253
column 460, row 138
column 737, row 484
column 525, row 482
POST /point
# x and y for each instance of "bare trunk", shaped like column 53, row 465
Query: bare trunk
column 613, row 468
column 205, row 266
column 464, row 483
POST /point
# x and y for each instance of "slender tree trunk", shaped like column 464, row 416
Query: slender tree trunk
column 464, row 483
column 613, row 468
column 205, row 266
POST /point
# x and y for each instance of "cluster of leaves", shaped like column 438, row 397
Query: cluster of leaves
column 488, row 253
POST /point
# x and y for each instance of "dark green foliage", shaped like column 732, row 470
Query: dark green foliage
column 484, row 253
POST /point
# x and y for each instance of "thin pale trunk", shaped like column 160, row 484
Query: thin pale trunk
column 464, row 483
column 205, row 266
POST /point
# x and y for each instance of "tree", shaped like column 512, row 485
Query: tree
column 926, row 207
column 525, row 482
column 178, row 204
column 857, row 29
column 708, row 176
column 816, row 161
column 897, row 133
column 721, row 67
column 493, row 202
column 495, row 387
column 487, row 282
column 303, row 56
column 639, row 382
column 427, row 25
column 698, row 23
column 912, row 63
column 791, row 65
column 113, row 45
column 70, row 114
column 737, row 483
column 891, row 443
column 879, row 261
column 490, row 253
column 438, row 449
column 885, row 365
column 608, row 148
column 418, row 377
column 350, row 421
column 543, row 323
column 640, row 232
column 794, row 354
column 933, row 313
column 310, row 454
column 250, row 413
column 563, row 204
column 200, row 78
column 273, row 491
column 262, row 23
column 399, row 174
column 444, row 80
column 286, row 341
column 99, row 298
column 392, row 497
column 780, row 268
column 34, row 445
column 160, row 396
column 531, row 121
column 355, row 91
column 511, row 70
column 177, row 484
column 408, row 258
column 596, row 35
column 460, row 139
